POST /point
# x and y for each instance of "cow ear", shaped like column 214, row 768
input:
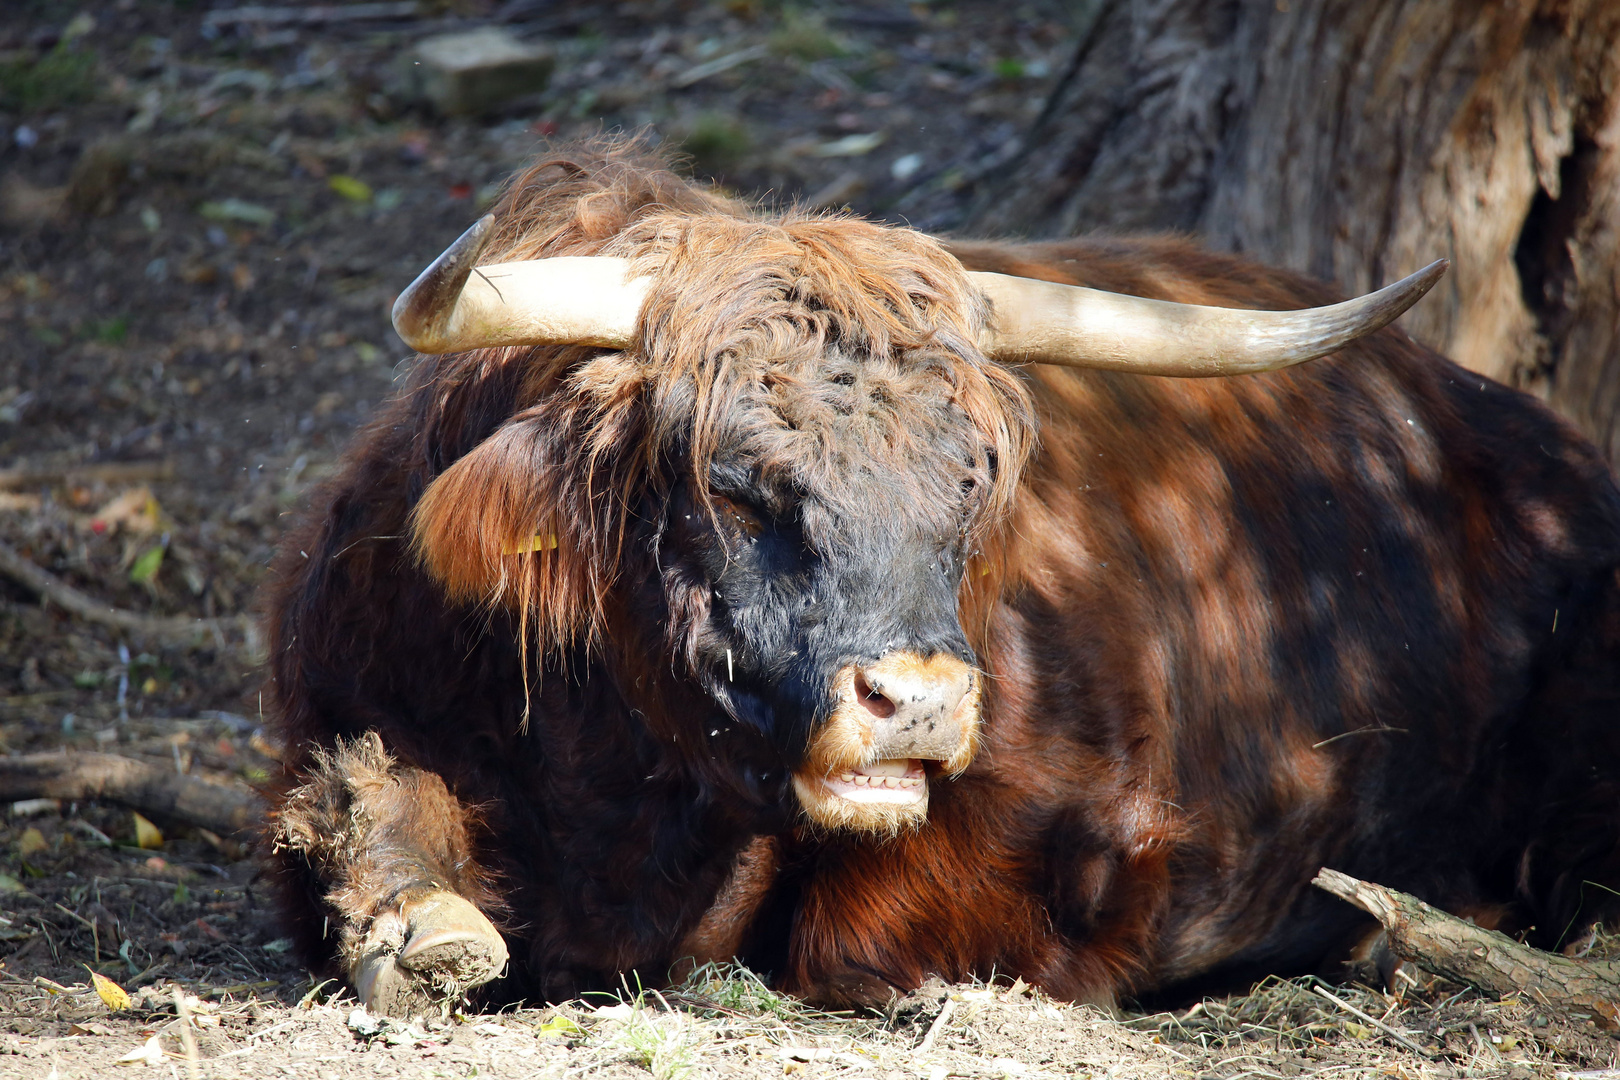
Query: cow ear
column 496, row 528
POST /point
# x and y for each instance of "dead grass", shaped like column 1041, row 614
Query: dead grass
column 725, row 1021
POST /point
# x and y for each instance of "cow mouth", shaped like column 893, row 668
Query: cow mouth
column 898, row 781
column 884, row 797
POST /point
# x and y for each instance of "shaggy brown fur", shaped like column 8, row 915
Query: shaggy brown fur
column 1229, row 630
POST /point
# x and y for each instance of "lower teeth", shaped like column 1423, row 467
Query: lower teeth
column 864, row 780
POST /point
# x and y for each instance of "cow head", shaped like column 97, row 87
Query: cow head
column 789, row 444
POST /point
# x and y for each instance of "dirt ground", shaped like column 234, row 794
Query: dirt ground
column 203, row 222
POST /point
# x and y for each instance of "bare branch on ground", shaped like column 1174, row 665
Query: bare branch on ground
column 177, row 629
column 1492, row 962
column 106, row 472
column 314, row 15
column 128, row 782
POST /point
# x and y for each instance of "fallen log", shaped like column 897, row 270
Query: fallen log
column 151, row 789
column 1491, row 962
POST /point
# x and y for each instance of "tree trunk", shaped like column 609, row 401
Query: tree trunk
column 1356, row 140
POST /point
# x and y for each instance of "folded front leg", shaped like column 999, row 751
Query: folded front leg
column 392, row 850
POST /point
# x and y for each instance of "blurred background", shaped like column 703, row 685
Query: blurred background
column 207, row 208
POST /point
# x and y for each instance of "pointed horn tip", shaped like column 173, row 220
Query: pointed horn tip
column 426, row 304
column 478, row 233
column 1399, row 296
column 1421, row 281
column 1434, row 271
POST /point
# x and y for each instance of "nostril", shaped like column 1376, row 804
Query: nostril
column 871, row 699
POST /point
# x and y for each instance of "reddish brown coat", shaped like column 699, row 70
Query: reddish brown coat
column 1235, row 629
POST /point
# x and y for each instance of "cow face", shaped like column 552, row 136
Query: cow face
column 819, row 559
column 801, row 460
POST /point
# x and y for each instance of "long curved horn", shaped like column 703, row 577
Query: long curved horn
column 589, row 300
column 593, row 300
column 1043, row 322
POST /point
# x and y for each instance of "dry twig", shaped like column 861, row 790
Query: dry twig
column 106, row 472
column 316, row 15
column 1375, row 1022
column 936, row 1027
column 188, row 1040
column 171, row 628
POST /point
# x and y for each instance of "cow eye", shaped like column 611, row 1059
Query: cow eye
column 738, row 516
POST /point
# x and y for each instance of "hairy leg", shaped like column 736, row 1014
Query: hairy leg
column 392, row 848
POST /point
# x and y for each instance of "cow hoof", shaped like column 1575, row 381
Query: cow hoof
column 451, row 939
column 424, row 957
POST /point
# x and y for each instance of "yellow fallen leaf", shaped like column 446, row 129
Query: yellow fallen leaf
column 150, row 1053
column 147, row 835
column 1358, row 1031
column 30, row 841
column 560, row 1025
column 350, row 187
column 114, row 996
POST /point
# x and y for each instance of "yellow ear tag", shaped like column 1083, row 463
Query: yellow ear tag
column 537, row 542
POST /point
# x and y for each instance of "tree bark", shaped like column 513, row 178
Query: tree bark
column 135, row 784
column 1492, row 962
column 1357, row 140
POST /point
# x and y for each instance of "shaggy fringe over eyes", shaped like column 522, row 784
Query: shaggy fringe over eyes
column 733, row 295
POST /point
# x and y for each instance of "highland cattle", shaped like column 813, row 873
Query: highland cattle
column 864, row 606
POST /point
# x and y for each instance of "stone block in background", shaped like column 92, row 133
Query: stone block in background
column 476, row 70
